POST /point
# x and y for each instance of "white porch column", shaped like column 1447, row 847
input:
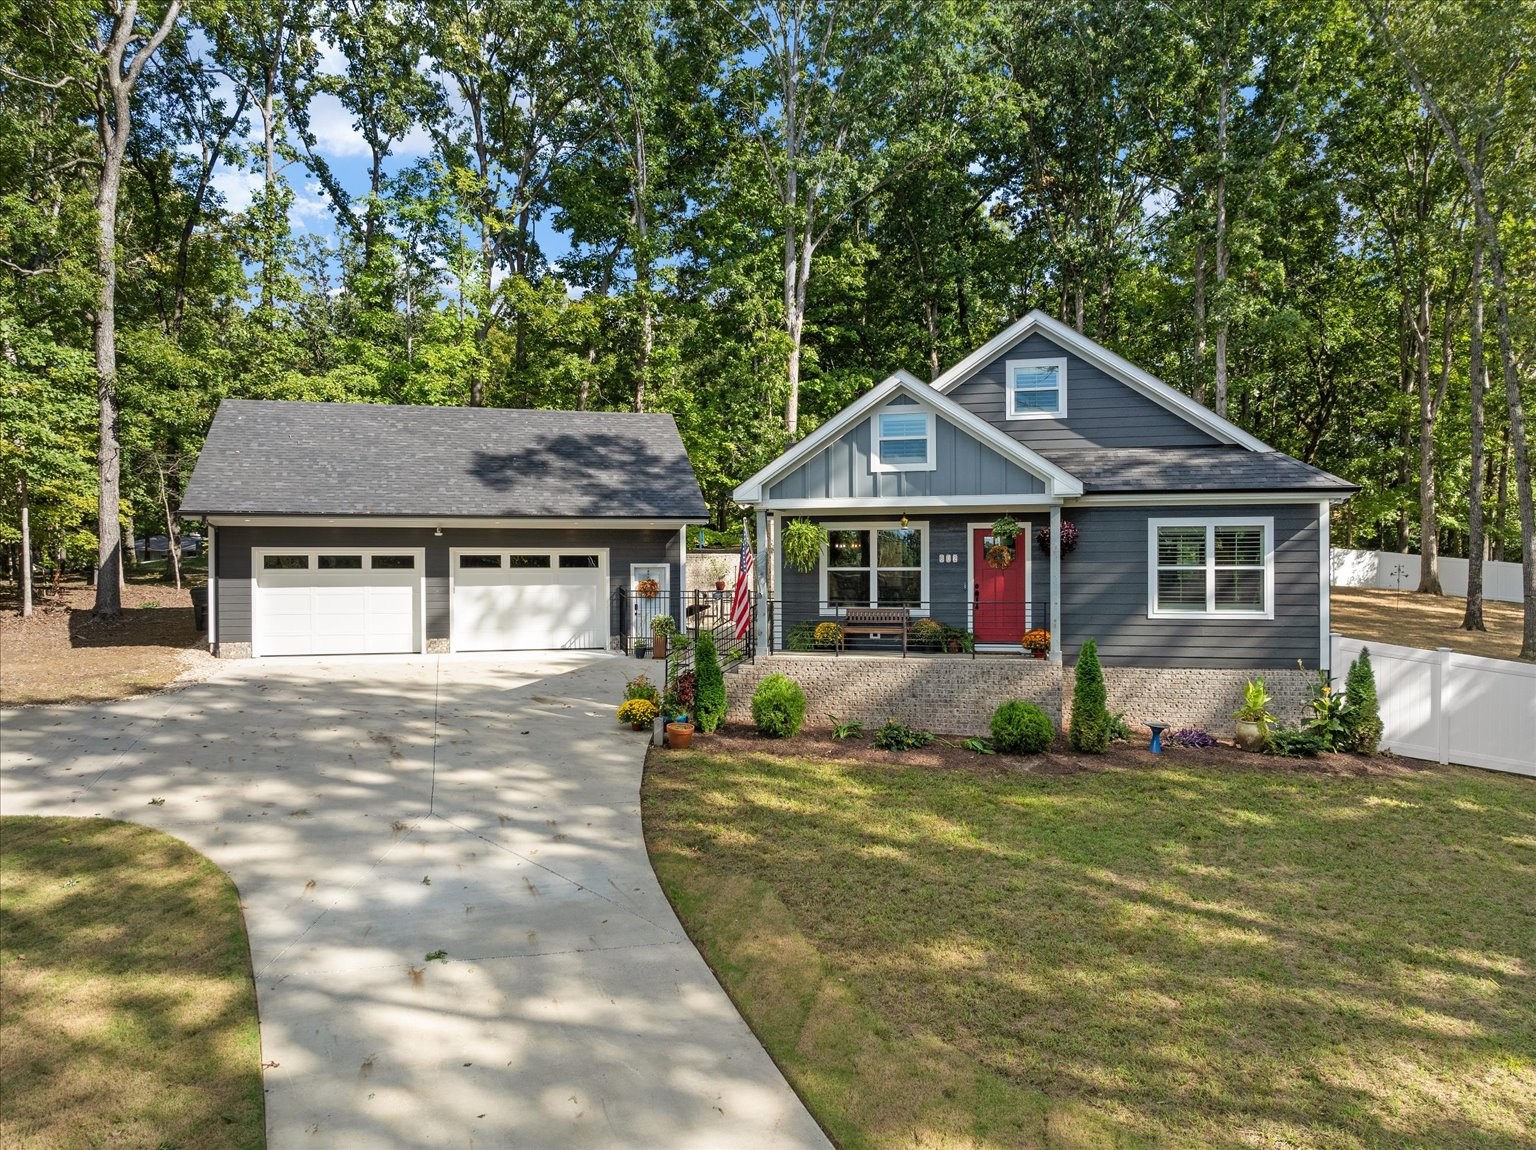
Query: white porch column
column 760, row 581
column 1055, row 583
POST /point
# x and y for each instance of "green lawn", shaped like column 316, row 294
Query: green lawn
column 1196, row 955
column 126, row 1002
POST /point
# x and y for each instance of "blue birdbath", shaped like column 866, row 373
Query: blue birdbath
column 1157, row 730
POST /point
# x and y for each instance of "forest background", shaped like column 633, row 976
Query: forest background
column 1317, row 217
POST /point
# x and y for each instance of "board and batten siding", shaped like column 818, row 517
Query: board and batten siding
column 235, row 544
column 964, row 466
column 1101, row 411
column 1104, row 594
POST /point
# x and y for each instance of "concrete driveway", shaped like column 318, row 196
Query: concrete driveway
column 374, row 811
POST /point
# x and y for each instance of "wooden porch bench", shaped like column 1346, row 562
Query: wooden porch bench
column 876, row 621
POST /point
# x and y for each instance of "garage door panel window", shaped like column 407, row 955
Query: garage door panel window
column 528, row 562
column 479, row 561
column 583, row 561
column 285, row 562
column 341, row 562
column 394, row 562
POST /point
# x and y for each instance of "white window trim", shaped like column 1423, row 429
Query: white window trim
column 1060, row 364
column 1265, row 523
column 878, row 465
column 873, row 526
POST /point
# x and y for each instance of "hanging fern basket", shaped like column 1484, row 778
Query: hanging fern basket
column 1005, row 529
column 803, row 543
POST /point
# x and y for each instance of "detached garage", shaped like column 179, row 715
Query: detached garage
column 369, row 529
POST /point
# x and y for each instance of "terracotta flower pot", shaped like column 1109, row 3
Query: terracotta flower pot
column 719, row 584
column 658, row 645
column 637, row 726
column 679, row 736
column 1038, row 654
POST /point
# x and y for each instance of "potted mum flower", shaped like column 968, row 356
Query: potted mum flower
column 1037, row 642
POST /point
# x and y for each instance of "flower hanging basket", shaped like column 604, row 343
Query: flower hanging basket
column 648, row 588
column 999, row 556
column 1005, row 529
column 1068, row 537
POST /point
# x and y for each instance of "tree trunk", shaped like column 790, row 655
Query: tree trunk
column 1472, row 618
column 25, row 507
column 172, row 537
column 1429, row 542
column 1222, row 327
column 109, row 455
column 1200, row 333
column 1501, row 498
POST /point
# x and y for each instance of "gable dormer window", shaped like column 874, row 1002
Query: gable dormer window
column 902, row 440
column 1037, row 388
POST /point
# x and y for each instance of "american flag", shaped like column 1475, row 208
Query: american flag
column 741, row 604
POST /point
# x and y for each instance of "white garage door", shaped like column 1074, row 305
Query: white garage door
column 529, row 600
column 337, row 602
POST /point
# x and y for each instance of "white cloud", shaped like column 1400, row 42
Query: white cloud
column 335, row 131
column 237, row 187
column 311, row 210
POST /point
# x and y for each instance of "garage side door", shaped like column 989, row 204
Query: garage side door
column 337, row 603
column 529, row 600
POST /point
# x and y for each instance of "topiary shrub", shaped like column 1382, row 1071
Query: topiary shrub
column 1020, row 728
column 778, row 707
column 1362, row 716
column 1091, row 726
column 709, row 685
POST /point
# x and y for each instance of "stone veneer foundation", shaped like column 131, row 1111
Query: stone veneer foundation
column 957, row 695
column 232, row 650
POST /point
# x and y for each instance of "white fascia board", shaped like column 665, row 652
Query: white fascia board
column 1063, row 484
column 449, row 523
column 951, row 503
column 1122, row 369
column 1204, row 499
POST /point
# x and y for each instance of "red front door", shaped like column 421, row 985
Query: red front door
column 999, row 613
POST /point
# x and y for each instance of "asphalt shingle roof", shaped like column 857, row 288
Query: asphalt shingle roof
column 268, row 457
column 1149, row 470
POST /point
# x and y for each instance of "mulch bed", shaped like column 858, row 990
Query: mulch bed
column 1061, row 759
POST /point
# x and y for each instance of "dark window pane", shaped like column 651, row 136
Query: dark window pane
column 1181, row 590
column 341, row 563
column 848, row 588
column 1240, row 590
column 578, row 561
column 285, row 562
column 848, row 549
column 1181, row 546
column 902, row 547
column 479, row 560
column 394, row 562
column 900, row 588
column 527, row 561
column 1036, row 400
column 1239, row 546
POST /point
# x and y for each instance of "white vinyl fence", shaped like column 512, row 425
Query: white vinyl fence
column 1401, row 572
column 1448, row 707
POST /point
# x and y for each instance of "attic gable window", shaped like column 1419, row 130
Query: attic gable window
column 1037, row 388
column 901, row 439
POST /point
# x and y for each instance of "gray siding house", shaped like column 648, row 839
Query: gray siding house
column 355, row 528
column 1190, row 545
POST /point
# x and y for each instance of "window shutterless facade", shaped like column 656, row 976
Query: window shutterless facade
column 1211, row 568
column 875, row 565
column 1037, row 388
column 901, row 439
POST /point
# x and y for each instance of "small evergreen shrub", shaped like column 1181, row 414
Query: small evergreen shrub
column 1020, row 728
column 1293, row 743
column 778, row 707
column 1091, row 726
column 927, row 633
column 1362, row 718
column 709, row 685
column 896, row 736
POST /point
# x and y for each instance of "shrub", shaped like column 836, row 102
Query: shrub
column 663, row 625
column 641, row 687
column 827, row 634
column 709, row 688
column 927, row 633
column 778, row 707
column 1090, row 729
column 1020, row 728
column 1119, row 729
column 1362, row 721
column 1192, row 737
column 1328, row 717
column 801, row 637
column 896, row 736
column 638, row 711
column 1290, row 743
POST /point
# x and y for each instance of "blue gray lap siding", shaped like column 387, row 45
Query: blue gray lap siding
column 234, row 546
column 1104, row 589
column 1101, row 411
